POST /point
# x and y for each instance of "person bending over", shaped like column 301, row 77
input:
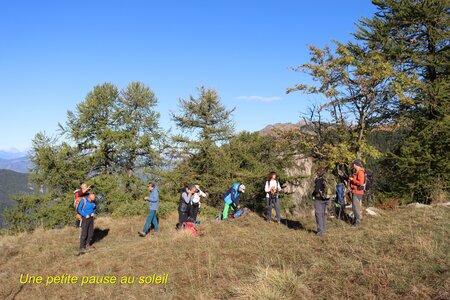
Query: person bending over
column 231, row 199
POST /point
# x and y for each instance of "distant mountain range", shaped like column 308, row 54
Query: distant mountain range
column 20, row 164
column 14, row 160
column 12, row 154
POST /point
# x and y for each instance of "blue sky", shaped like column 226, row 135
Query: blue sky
column 52, row 53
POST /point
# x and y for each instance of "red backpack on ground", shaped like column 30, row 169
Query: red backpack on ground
column 190, row 227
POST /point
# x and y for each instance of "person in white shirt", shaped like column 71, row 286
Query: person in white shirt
column 272, row 188
column 195, row 205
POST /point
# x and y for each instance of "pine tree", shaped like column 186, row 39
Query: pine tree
column 93, row 127
column 56, row 168
column 414, row 36
column 139, row 134
column 109, row 136
column 207, row 119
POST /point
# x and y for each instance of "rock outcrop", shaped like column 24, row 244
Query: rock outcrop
column 301, row 173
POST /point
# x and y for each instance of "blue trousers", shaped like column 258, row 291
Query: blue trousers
column 151, row 219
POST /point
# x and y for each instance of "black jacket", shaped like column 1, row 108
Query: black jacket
column 319, row 189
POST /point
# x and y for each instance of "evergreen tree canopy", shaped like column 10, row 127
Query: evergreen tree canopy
column 414, row 36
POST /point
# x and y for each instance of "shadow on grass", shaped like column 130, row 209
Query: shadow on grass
column 295, row 225
column 99, row 234
column 291, row 224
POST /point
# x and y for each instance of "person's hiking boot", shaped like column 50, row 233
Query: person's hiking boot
column 141, row 233
column 320, row 233
column 357, row 224
column 81, row 252
column 90, row 248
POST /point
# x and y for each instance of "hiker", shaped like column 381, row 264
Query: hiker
column 195, row 203
column 82, row 191
column 320, row 202
column 153, row 203
column 357, row 188
column 272, row 188
column 78, row 194
column 341, row 191
column 86, row 208
column 185, row 205
column 231, row 199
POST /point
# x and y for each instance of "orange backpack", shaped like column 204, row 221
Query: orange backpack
column 76, row 203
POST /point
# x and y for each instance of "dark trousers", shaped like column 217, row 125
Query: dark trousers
column 320, row 208
column 87, row 232
column 182, row 217
column 269, row 201
column 193, row 212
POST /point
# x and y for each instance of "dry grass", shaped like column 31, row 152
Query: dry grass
column 404, row 254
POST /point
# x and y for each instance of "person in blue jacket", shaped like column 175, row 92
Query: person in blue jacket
column 231, row 198
column 153, row 203
column 87, row 210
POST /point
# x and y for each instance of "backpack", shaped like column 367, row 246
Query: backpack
column 325, row 189
column 368, row 180
column 190, row 227
column 78, row 201
column 241, row 212
column 340, row 194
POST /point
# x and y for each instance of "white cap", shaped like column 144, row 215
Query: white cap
column 242, row 188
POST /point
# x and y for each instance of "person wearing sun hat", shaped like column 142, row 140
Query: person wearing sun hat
column 231, row 199
column 357, row 187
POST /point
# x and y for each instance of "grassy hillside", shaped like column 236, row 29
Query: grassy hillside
column 11, row 183
column 403, row 254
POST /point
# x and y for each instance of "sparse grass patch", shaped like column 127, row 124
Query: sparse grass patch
column 270, row 283
column 402, row 254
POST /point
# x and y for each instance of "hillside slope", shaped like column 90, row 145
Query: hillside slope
column 403, row 254
column 11, row 183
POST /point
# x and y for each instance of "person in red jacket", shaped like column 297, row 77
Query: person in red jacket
column 357, row 187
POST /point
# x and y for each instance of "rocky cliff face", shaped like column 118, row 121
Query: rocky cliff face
column 301, row 172
column 300, row 188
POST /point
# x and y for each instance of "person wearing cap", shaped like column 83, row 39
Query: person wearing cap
column 195, row 205
column 231, row 199
column 272, row 188
column 153, row 203
column 357, row 188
